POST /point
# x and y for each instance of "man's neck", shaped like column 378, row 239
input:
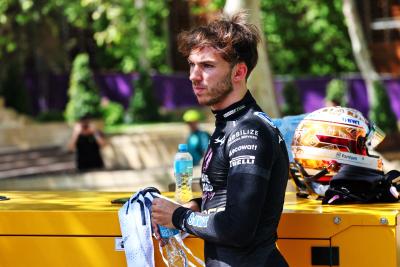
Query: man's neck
column 236, row 95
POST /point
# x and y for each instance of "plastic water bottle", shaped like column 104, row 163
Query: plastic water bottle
column 174, row 253
column 166, row 232
column 183, row 170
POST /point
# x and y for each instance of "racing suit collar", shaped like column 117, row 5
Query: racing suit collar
column 236, row 109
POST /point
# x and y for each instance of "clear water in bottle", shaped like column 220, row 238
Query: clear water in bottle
column 174, row 253
column 183, row 170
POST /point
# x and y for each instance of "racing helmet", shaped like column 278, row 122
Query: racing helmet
column 331, row 136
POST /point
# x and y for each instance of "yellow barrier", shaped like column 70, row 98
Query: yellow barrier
column 81, row 229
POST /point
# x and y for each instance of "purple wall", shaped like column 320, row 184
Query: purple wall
column 312, row 91
column 174, row 91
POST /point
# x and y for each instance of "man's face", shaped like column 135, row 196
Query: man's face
column 85, row 124
column 210, row 75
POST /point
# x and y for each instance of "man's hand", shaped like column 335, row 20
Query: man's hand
column 162, row 211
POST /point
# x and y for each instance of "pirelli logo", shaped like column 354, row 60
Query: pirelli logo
column 240, row 160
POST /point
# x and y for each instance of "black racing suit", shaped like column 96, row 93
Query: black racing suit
column 244, row 177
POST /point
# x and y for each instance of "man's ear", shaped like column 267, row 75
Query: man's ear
column 239, row 72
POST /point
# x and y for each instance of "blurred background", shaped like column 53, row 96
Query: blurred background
column 117, row 62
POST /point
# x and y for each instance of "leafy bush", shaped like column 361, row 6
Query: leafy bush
column 307, row 37
column 336, row 92
column 84, row 99
column 381, row 112
column 113, row 113
column 292, row 105
column 143, row 106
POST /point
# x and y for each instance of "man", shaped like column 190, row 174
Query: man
column 87, row 141
column 198, row 139
column 245, row 169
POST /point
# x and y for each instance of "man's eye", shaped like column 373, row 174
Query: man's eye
column 208, row 66
column 191, row 64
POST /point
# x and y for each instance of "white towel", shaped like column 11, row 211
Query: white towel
column 135, row 223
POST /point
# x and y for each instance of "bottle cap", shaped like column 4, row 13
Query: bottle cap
column 182, row 148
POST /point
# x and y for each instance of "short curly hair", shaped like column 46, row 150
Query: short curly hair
column 233, row 37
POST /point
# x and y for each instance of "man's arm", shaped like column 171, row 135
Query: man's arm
column 162, row 211
column 74, row 138
column 235, row 225
column 246, row 193
column 98, row 135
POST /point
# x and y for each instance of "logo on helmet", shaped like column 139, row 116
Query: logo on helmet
column 351, row 121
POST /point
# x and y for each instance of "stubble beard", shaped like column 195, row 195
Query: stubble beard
column 219, row 92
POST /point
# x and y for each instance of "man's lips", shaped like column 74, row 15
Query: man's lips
column 198, row 89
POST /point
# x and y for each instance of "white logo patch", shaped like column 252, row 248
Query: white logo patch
column 233, row 111
column 351, row 121
column 242, row 134
column 207, row 187
column 197, row 220
column 265, row 118
column 240, row 160
column 220, row 140
column 242, row 147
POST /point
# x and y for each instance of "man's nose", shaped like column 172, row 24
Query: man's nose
column 195, row 74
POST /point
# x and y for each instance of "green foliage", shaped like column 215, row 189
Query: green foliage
column 32, row 29
column 84, row 99
column 75, row 25
column 199, row 8
column 307, row 37
column 113, row 113
column 304, row 37
column 51, row 32
column 291, row 94
column 336, row 91
column 115, row 27
column 143, row 106
column 381, row 112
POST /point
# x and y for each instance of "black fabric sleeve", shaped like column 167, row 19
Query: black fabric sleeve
column 178, row 217
column 235, row 225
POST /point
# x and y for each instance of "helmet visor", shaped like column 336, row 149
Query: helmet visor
column 375, row 136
